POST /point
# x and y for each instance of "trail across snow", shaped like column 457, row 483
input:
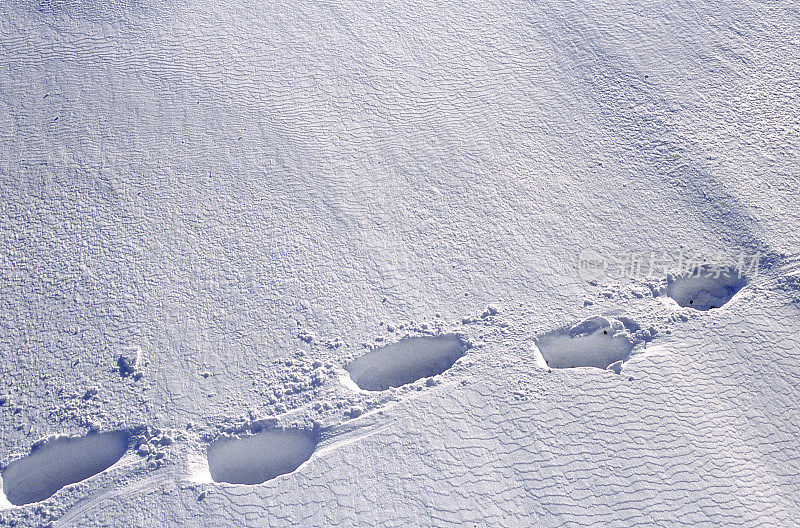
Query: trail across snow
column 319, row 263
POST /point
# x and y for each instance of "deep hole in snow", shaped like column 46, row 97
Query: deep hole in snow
column 706, row 288
column 598, row 348
column 261, row 457
column 406, row 361
column 61, row 462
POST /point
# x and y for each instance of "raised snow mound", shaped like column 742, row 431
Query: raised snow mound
column 61, row 462
column 406, row 361
column 596, row 342
column 260, row 457
column 706, row 287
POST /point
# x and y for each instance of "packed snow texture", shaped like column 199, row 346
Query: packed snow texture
column 260, row 457
column 60, row 462
column 704, row 288
column 405, row 361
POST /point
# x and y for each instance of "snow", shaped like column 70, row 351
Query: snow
column 261, row 457
column 705, row 289
column 405, row 361
column 60, row 462
column 595, row 343
column 216, row 217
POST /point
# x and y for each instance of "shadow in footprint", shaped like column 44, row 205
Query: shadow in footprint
column 61, row 462
column 596, row 342
column 406, row 361
column 260, row 457
column 706, row 287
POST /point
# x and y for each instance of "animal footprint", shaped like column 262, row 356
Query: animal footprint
column 406, row 361
column 706, row 288
column 60, row 462
column 596, row 342
column 261, row 457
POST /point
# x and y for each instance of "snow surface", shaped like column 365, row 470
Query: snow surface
column 208, row 210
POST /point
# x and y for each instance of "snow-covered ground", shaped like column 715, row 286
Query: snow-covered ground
column 368, row 263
